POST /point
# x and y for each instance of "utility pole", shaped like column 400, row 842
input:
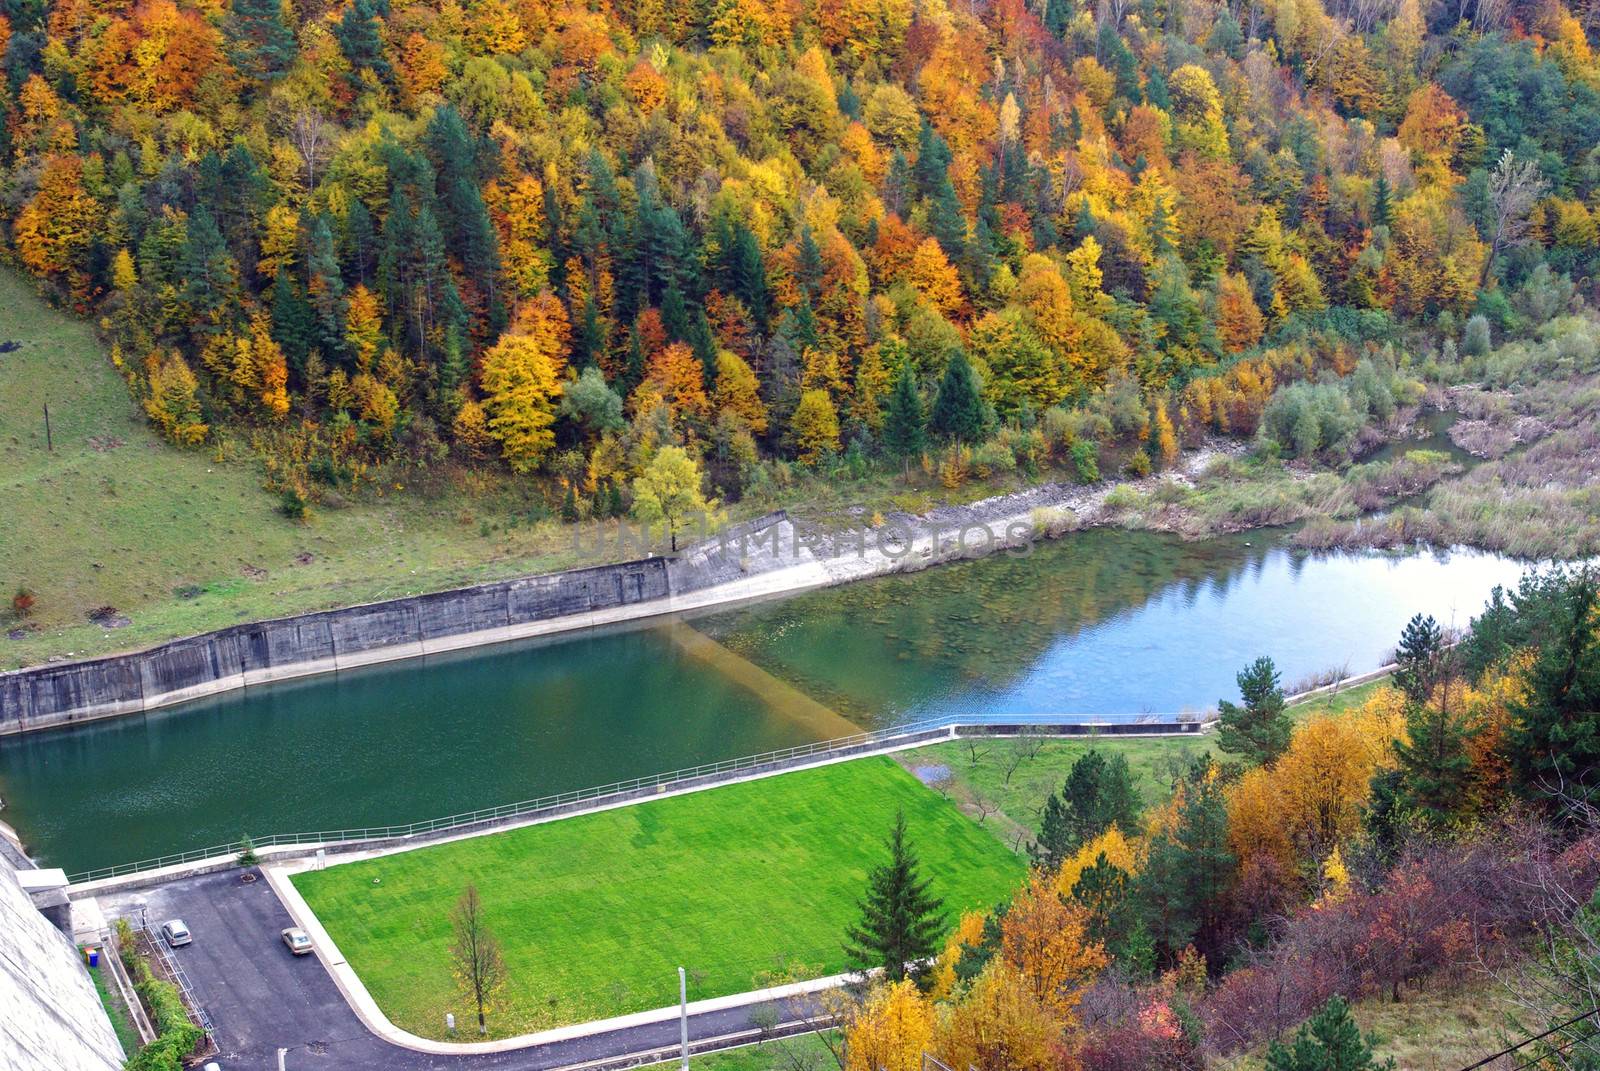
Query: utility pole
column 683, row 1015
column 49, row 443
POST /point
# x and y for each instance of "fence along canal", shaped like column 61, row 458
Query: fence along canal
column 708, row 775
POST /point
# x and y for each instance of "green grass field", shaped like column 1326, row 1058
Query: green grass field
column 1005, row 791
column 747, row 885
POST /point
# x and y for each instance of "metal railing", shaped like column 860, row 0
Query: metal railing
column 877, row 739
column 175, row 969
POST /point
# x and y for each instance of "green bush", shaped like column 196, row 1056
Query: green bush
column 176, row 1036
column 1086, row 461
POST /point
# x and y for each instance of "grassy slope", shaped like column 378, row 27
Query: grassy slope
column 117, row 517
column 979, row 781
column 115, row 1011
column 1437, row 1029
column 595, row 913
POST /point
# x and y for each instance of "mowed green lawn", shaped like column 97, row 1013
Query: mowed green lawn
column 746, row 885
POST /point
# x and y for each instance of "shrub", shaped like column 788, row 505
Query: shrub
column 22, row 602
column 991, row 457
column 1475, row 340
column 1086, row 461
column 176, row 1036
column 294, row 504
column 1139, row 464
column 247, row 852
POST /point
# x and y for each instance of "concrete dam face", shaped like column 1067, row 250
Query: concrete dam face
column 53, row 1018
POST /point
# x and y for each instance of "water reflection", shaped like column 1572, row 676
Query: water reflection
column 1102, row 622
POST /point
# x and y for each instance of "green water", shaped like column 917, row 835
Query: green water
column 1101, row 622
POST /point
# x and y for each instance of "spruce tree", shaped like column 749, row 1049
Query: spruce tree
column 1187, row 868
column 1098, row 793
column 1259, row 730
column 902, row 419
column 1382, row 202
column 1331, row 1041
column 958, row 409
column 1055, row 844
column 901, row 921
column 261, row 46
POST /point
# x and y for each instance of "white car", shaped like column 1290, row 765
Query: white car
column 297, row 940
column 176, row 933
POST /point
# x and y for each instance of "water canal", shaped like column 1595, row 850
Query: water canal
column 1104, row 621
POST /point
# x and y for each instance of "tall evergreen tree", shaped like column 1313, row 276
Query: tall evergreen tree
column 958, row 410
column 1420, row 663
column 357, row 32
column 901, row 921
column 903, row 422
column 1259, row 730
column 293, row 322
column 261, row 45
column 1098, row 794
column 1435, row 767
column 463, row 217
column 1382, row 202
column 747, row 274
column 1187, row 868
column 1555, row 737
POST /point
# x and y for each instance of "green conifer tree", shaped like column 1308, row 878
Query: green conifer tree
column 901, row 921
column 1258, row 731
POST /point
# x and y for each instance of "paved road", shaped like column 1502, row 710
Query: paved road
column 262, row 999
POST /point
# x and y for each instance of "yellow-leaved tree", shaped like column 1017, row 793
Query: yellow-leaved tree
column 1044, row 937
column 1000, row 1024
column 815, row 425
column 891, row 1031
column 172, row 404
column 522, row 381
column 668, row 491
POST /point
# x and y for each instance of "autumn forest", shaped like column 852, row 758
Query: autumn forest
column 566, row 237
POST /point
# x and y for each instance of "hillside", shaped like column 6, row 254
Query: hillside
column 835, row 237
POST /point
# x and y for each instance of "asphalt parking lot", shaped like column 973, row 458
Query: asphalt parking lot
column 272, row 1009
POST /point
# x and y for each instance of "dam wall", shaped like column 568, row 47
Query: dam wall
column 259, row 652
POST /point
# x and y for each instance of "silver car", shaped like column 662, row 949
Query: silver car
column 296, row 940
column 176, row 933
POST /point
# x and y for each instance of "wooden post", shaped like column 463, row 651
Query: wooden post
column 49, row 443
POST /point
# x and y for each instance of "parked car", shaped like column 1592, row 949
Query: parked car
column 176, row 933
column 297, row 940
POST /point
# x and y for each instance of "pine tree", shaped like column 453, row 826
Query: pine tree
column 1055, row 844
column 1259, row 730
column 1331, row 1041
column 747, row 274
column 958, row 410
column 903, row 422
column 357, row 32
column 1555, row 737
column 1187, row 868
column 1419, row 660
column 1435, row 766
column 901, row 922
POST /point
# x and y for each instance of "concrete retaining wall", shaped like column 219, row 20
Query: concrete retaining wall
column 60, row 694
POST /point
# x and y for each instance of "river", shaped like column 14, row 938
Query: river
column 1104, row 621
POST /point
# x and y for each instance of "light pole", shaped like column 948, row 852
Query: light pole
column 683, row 1015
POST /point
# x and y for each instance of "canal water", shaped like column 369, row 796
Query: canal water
column 1100, row 622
